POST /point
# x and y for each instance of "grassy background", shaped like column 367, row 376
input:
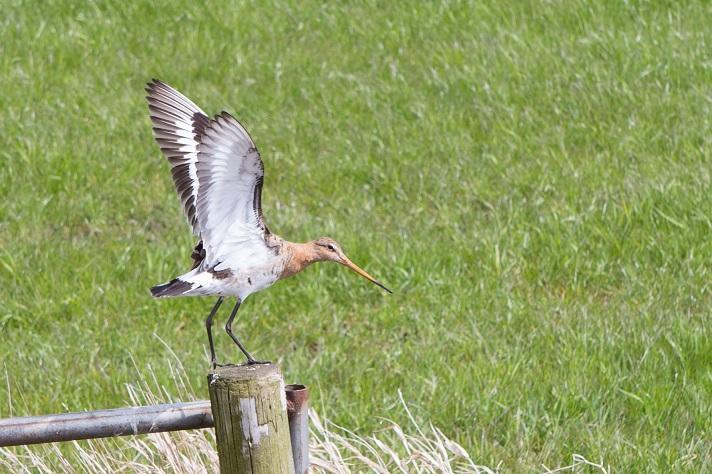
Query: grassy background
column 533, row 181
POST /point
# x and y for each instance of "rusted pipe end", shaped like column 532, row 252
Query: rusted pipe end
column 297, row 397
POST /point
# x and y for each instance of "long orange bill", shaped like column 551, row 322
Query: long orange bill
column 363, row 273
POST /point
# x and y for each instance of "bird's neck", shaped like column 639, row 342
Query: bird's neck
column 299, row 256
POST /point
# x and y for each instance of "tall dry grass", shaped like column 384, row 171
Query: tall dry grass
column 333, row 449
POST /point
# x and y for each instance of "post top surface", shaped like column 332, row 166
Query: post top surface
column 244, row 372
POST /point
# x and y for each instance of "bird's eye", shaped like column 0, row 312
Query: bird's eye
column 331, row 247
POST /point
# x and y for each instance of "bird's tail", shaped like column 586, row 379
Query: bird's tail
column 175, row 287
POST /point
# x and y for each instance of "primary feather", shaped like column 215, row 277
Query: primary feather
column 230, row 174
column 177, row 126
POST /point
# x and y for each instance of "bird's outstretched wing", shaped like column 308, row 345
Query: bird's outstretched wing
column 230, row 174
column 178, row 125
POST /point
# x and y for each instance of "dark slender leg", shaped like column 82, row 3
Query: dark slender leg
column 228, row 328
column 209, row 327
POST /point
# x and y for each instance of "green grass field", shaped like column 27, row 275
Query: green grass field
column 533, row 180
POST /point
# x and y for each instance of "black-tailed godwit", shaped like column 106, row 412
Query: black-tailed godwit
column 218, row 175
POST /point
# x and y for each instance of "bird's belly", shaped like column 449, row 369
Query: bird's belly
column 243, row 284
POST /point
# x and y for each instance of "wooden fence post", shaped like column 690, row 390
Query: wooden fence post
column 250, row 413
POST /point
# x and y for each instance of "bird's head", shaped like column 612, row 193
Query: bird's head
column 327, row 249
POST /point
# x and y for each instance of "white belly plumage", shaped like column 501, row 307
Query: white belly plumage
column 240, row 283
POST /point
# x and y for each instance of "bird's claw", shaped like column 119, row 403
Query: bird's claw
column 256, row 362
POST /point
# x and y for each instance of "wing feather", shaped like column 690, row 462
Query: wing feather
column 230, row 174
column 177, row 126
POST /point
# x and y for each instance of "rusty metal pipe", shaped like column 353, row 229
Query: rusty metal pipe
column 298, row 416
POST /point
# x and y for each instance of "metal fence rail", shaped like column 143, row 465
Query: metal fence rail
column 262, row 425
column 105, row 423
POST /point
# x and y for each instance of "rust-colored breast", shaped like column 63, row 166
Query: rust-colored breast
column 296, row 258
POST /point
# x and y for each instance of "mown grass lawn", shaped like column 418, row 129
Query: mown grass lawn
column 532, row 179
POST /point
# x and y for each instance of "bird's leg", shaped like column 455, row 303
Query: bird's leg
column 209, row 327
column 228, row 328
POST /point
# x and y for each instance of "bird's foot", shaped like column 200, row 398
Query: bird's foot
column 256, row 362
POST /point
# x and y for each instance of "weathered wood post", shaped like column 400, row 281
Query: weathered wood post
column 250, row 413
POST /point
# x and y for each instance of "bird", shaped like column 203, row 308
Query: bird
column 218, row 175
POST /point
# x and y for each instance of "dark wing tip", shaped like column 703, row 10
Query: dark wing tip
column 225, row 116
column 151, row 85
column 155, row 84
column 229, row 119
